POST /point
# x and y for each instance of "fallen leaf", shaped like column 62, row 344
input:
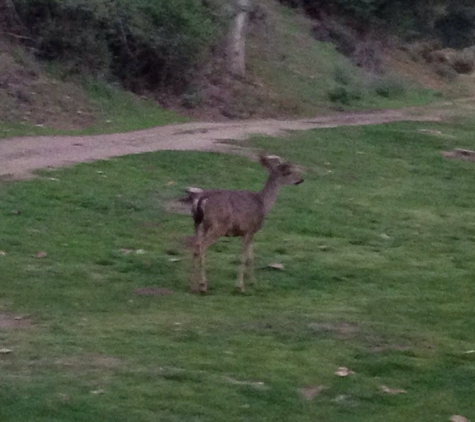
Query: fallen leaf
column 140, row 251
column 101, row 391
column 5, row 351
column 468, row 352
column 125, row 251
column 431, row 131
column 175, row 259
column 41, row 254
column 309, row 393
column 388, row 390
column 171, row 183
column 2, row 253
column 342, row 371
column 276, row 266
column 458, row 418
column 255, row 384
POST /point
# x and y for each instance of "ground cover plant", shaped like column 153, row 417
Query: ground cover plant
column 377, row 255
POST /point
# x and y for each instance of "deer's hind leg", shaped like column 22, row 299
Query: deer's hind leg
column 246, row 261
column 196, row 260
column 203, row 240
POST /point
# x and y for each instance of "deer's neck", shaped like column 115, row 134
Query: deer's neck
column 269, row 193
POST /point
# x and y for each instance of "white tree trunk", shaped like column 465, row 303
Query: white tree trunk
column 237, row 47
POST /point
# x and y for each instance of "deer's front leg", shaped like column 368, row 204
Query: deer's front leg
column 203, row 285
column 246, row 255
column 250, row 263
column 196, row 264
column 208, row 239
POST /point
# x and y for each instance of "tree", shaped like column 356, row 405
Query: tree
column 237, row 45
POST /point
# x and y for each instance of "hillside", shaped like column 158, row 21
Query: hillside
column 289, row 72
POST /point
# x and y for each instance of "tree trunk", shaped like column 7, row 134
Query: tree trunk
column 237, row 46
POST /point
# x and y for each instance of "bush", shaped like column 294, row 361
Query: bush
column 370, row 56
column 343, row 36
column 344, row 95
column 348, row 86
column 445, row 70
column 422, row 49
column 144, row 43
column 464, row 61
column 389, row 87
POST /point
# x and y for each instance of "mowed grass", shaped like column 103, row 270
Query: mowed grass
column 378, row 254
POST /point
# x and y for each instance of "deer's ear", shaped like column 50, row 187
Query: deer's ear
column 269, row 161
column 285, row 168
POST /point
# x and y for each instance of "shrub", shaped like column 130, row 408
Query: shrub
column 445, row 70
column 343, row 36
column 389, row 87
column 348, row 87
column 422, row 49
column 369, row 55
column 344, row 95
column 144, row 43
column 464, row 61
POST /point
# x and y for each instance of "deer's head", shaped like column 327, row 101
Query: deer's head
column 284, row 172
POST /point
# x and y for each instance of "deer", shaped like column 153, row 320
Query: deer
column 234, row 213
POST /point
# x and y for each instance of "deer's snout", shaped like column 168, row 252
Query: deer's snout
column 298, row 182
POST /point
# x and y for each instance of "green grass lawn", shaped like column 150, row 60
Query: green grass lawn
column 378, row 254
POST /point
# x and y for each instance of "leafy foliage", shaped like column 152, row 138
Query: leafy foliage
column 452, row 21
column 144, row 43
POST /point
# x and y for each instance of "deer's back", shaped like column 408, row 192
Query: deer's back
column 230, row 213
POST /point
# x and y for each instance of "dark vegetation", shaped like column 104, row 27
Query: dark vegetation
column 451, row 22
column 161, row 45
column 440, row 33
column 143, row 44
column 175, row 52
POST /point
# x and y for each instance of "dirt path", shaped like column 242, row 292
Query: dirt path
column 19, row 157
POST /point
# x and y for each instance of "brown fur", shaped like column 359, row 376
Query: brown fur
column 218, row 213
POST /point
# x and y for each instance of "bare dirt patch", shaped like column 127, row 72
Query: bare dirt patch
column 460, row 154
column 403, row 65
column 9, row 321
column 19, row 157
column 309, row 393
column 153, row 291
column 342, row 330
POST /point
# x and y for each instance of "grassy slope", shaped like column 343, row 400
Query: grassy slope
column 377, row 248
column 114, row 110
column 289, row 74
column 299, row 72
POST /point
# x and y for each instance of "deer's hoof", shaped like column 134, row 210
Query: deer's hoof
column 240, row 290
